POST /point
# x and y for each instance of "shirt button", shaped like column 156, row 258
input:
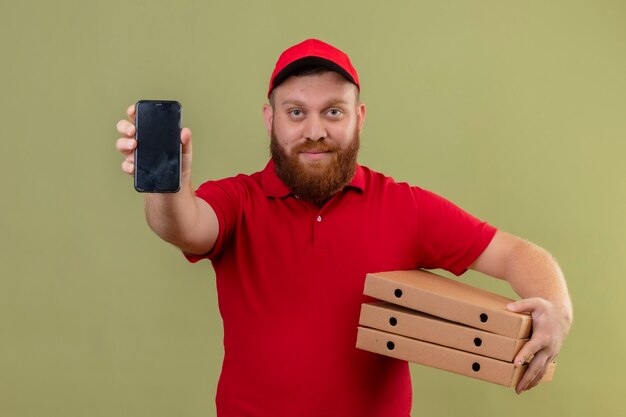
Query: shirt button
column 319, row 218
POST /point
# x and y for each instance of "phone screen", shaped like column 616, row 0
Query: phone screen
column 157, row 156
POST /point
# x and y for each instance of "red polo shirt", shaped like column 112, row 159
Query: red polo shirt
column 290, row 281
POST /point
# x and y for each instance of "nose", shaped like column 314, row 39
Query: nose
column 315, row 129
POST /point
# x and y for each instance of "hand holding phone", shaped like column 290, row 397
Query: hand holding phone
column 157, row 159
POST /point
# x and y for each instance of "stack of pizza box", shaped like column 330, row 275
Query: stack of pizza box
column 431, row 320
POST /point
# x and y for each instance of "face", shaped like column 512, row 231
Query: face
column 314, row 125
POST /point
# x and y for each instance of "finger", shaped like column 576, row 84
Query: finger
column 130, row 111
column 526, row 305
column 126, row 128
column 527, row 352
column 128, row 167
column 125, row 145
column 540, row 376
column 185, row 139
column 535, row 382
column 534, row 373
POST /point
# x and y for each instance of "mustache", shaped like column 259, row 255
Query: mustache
column 315, row 146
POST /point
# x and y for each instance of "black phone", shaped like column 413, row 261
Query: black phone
column 158, row 152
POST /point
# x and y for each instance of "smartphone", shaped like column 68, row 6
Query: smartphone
column 158, row 152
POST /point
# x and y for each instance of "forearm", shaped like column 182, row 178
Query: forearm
column 533, row 272
column 530, row 270
column 536, row 276
column 181, row 219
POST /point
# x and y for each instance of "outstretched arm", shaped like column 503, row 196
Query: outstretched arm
column 181, row 218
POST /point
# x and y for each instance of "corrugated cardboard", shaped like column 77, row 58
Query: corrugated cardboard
column 448, row 299
column 441, row 357
column 403, row 321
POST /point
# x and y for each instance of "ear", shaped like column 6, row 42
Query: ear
column 360, row 116
column 268, row 118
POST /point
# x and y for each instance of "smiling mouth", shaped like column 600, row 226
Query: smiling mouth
column 314, row 154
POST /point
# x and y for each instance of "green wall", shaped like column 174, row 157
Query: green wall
column 513, row 109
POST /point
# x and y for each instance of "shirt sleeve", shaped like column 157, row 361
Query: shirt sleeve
column 450, row 238
column 224, row 196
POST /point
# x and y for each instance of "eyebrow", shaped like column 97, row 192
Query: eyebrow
column 291, row 102
column 330, row 103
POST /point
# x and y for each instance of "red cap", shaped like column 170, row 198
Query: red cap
column 312, row 52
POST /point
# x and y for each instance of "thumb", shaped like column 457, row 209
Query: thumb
column 185, row 140
column 527, row 305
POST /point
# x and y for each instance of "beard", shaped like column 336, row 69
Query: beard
column 316, row 181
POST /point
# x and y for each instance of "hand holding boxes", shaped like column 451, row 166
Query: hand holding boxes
column 442, row 323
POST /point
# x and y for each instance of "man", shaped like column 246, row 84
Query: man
column 291, row 246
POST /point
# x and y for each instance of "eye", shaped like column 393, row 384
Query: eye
column 296, row 113
column 335, row 113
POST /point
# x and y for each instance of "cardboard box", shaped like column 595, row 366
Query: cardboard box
column 449, row 299
column 441, row 357
column 405, row 322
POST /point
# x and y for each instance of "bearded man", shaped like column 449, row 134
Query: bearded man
column 291, row 246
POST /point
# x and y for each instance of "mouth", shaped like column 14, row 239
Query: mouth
column 315, row 155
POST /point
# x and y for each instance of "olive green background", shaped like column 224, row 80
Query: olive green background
column 513, row 109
